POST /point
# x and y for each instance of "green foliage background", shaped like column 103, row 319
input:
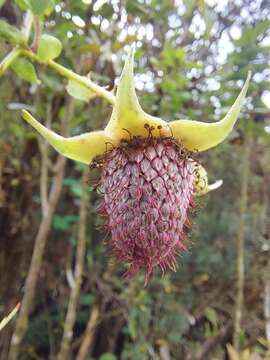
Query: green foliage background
column 191, row 61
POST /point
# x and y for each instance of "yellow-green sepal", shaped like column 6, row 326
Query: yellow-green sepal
column 83, row 148
column 201, row 186
column 200, row 136
column 127, row 113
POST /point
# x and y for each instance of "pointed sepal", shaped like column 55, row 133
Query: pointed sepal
column 199, row 136
column 127, row 112
column 83, row 148
column 201, row 186
column 127, row 104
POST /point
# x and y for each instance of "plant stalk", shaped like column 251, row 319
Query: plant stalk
column 240, row 244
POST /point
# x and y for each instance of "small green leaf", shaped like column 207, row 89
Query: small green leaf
column 106, row 10
column 108, row 356
column 23, row 5
column 51, row 81
column 25, row 69
column 87, row 299
column 250, row 34
column 64, row 222
column 39, row 7
column 2, row 2
column 11, row 34
column 211, row 316
column 79, row 91
column 49, row 48
column 75, row 186
column 132, row 324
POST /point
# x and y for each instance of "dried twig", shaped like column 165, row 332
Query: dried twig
column 45, row 164
column 89, row 334
column 39, row 245
column 76, row 287
column 240, row 247
column 37, row 34
column 7, row 319
column 164, row 350
column 211, row 343
column 267, row 305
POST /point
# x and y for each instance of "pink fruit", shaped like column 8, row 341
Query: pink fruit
column 148, row 191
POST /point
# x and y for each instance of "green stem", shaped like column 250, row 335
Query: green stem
column 82, row 80
column 7, row 61
column 16, row 52
column 71, row 75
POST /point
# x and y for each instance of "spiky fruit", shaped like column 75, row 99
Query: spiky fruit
column 148, row 190
column 148, row 181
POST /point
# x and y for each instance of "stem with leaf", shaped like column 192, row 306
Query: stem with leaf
column 71, row 75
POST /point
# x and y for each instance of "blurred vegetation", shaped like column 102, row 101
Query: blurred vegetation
column 192, row 57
